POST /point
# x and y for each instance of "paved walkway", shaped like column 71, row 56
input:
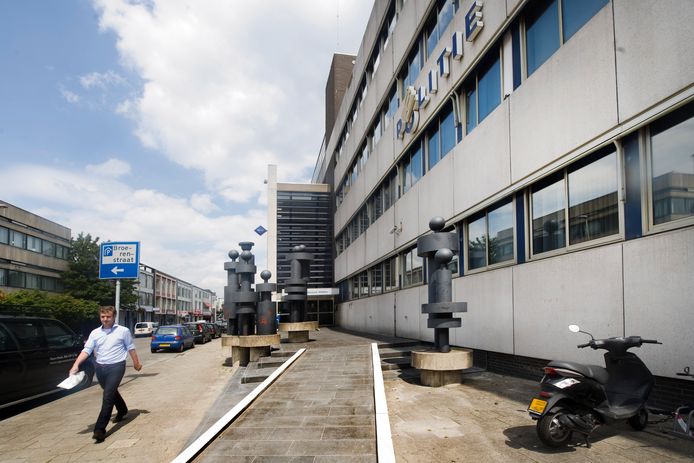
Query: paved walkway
column 320, row 410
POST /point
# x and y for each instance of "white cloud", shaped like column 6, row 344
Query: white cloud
column 175, row 236
column 101, row 80
column 110, row 168
column 202, row 203
column 231, row 87
column 69, row 96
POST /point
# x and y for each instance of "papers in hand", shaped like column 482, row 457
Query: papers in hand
column 72, row 381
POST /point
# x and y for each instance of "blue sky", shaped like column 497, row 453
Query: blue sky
column 155, row 120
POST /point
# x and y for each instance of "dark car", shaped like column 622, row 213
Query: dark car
column 172, row 337
column 200, row 331
column 36, row 354
column 216, row 332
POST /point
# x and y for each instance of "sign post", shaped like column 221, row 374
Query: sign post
column 117, row 261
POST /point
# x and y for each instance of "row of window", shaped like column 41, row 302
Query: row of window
column 25, row 280
column 437, row 22
column 574, row 207
column 21, row 240
column 480, row 94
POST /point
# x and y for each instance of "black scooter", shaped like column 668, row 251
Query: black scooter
column 578, row 398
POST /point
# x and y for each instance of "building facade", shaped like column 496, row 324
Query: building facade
column 302, row 214
column 33, row 251
column 556, row 138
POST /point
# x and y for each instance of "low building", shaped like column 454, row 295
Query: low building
column 33, row 251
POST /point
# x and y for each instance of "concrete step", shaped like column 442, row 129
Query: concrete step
column 387, row 345
column 280, row 353
column 390, row 352
column 256, row 375
column 268, row 362
column 395, row 363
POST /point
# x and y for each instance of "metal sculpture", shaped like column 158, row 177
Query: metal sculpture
column 245, row 297
column 266, row 314
column 232, row 286
column 439, row 249
column 296, row 288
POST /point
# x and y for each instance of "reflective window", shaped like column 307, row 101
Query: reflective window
column 412, row 268
column 489, row 89
column 376, row 278
column 575, row 13
column 4, row 235
column 390, row 275
column 363, row 284
column 470, row 109
column 48, row 249
column 490, row 236
column 541, row 33
column 672, row 166
column 33, row 243
column 548, row 216
column 448, row 132
column 593, row 210
column 32, row 281
column 433, row 151
column 3, row 277
column 16, row 279
column 17, row 239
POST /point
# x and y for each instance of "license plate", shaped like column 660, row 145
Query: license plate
column 164, row 345
column 537, row 406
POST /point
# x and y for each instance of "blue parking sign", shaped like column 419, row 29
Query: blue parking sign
column 119, row 260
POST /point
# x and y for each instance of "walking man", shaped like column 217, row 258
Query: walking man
column 111, row 344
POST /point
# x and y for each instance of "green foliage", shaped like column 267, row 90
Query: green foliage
column 73, row 312
column 81, row 280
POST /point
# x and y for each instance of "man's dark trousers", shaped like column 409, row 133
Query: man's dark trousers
column 109, row 377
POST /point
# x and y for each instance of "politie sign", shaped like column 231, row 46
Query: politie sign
column 119, row 260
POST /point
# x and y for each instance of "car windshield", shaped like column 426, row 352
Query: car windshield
column 140, row 325
column 167, row 330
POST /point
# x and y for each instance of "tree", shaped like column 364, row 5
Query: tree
column 81, row 280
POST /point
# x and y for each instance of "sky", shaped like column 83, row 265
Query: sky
column 155, row 120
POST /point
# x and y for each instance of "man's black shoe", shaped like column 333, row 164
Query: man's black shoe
column 99, row 436
column 119, row 417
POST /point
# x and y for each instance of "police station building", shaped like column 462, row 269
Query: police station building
column 556, row 138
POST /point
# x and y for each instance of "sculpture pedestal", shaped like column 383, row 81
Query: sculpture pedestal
column 246, row 349
column 298, row 331
column 438, row 368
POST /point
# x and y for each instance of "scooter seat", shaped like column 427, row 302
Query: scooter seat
column 595, row 372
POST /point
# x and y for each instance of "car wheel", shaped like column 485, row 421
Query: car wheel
column 154, row 351
column 88, row 369
column 192, row 345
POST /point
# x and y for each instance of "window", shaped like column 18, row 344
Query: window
column 32, row 281
column 593, row 211
column 490, row 236
column 4, row 235
column 412, row 167
column 56, row 335
column 412, row 68
column 412, row 268
column 26, row 333
column 672, row 166
column 541, row 33
column 48, row 249
column 376, row 278
column 3, row 277
column 441, row 137
column 7, row 344
column 575, row 13
column 16, row 279
column 33, row 243
column 363, row 284
column 589, row 188
column 17, row 239
column 483, row 90
column 389, row 275
column 393, row 104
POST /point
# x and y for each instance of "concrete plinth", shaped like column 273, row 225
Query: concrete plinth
column 246, row 349
column 438, row 368
column 298, row 331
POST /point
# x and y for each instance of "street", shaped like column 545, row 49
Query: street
column 167, row 400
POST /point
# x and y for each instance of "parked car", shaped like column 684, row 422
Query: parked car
column 201, row 331
column 145, row 328
column 222, row 327
column 172, row 337
column 36, row 354
column 216, row 332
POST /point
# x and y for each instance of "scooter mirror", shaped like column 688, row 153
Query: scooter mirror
column 574, row 328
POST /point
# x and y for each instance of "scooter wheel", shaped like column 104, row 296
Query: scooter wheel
column 640, row 420
column 550, row 430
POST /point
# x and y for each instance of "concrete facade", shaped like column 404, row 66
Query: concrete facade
column 623, row 72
